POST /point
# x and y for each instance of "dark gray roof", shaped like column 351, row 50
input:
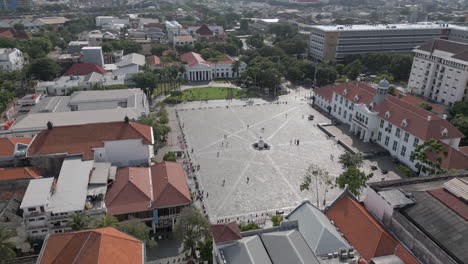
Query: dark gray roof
column 460, row 50
column 440, row 223
column 248, row 250
column 319, row 233
column 288, row 247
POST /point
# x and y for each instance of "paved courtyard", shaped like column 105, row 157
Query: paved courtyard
column 256, row 182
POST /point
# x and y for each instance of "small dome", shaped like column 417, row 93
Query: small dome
column 383, row 84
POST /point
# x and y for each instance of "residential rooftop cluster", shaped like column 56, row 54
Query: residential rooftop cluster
column 130, row 124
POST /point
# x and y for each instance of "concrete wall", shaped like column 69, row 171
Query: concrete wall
column 130, row 152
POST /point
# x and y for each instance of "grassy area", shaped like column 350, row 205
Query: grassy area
column 211, row 93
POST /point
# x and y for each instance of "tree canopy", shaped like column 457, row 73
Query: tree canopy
column 192, row 228
column 348, row 160
column 44, row 69
column 424, row 163
column 140, row 231
column 354, row 178
column 6, row 247
column 79, row 221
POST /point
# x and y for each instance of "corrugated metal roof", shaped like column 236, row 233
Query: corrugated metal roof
column 457, row 187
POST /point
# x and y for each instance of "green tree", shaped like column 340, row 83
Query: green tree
column 159, row 49
column 391, row 90
column 424, row 163
column 206, row 251
column 79, row 221
column 461, row 122
column 44, row 69
column 129, row 46
column 353, row 69
column 459, row 108
column 277, row 219
column 36, row 47
column 140, row 231
column 192, row 228
column 348, row 160
column 19, row 26
column 294, row 74
column 425, row 106
column 170, row 156
column 108, row 220
column 326, row 74
column 6, row 97
column 244, row 26
column 145, row 79
column 236, row 67
column 293, row 46
column 340, row 69
column 248, row 227
column 7, row 248
column 400, row 66
column 313, row 179
column 184, row 48
column 7, row 43
column 354, row 178
column 256, row 41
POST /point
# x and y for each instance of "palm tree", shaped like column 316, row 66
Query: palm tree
column 79, row 221
column 6, row 248
column 235, row 67
column 108, row 220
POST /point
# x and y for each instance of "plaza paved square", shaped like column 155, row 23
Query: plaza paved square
column 256, row 182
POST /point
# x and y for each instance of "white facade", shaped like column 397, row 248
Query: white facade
column 123, row 153
column 370, row 127
column 11, row 60
column 48, row 203
column 439, row 76
column 335, row 42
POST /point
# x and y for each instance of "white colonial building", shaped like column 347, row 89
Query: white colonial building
column 198, row 69
column 397, row 126
column 11, row 60
column 440, row 71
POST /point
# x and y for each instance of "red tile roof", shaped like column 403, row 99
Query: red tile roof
column 7, row 145
column 12, row 33
column 79, row 69
column 204, row 30
column 414, row 100
column 451, row 201
column 19, row 173
column 455, row 159
column 81, row 139
column 138, row 189
column 192, row 59
column 104, row 246
column 154, row 25
column 130, row 192
column 416, row 117
column 154, row 60
column 463, row 150
column 225, row 232
column 364, row 232
column 169, row 185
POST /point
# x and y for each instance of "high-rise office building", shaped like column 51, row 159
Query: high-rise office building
column 335, row 42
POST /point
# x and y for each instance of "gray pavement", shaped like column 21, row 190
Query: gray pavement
column 257, row 183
